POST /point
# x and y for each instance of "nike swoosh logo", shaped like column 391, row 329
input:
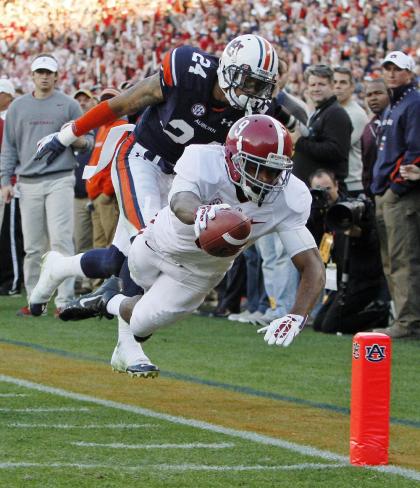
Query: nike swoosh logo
column 83, row 301
column 258, row 221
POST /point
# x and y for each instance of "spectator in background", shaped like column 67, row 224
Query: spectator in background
column 398, row 199
column 100, row 189
column 45, row 186
column 377, row 99
column 11, row 241
column 343, row 90
column 328, row 143
column 357, row 305
column 83, row 229
column 108, row 42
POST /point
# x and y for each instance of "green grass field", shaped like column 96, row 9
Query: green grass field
column 227, row 410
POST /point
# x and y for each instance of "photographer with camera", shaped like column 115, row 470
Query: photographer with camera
column 357, row 303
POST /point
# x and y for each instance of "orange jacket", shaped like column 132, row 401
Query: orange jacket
column 101, row 182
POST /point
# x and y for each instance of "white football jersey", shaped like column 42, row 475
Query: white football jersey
column 202, row 170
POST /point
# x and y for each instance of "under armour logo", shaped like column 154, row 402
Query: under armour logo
column 137, row 154
column 226, row 122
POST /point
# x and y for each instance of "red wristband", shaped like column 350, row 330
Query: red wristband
column 95, row 117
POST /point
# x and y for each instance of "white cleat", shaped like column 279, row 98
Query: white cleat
column 141, row 368
column 46, row 285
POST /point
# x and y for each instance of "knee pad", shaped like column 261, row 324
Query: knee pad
column 102, row 263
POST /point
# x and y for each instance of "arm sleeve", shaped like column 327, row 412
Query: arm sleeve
column 9, row 154
column 95, row 117
column 294, row 235
column 297, row 240
column 412, row 134
column 361, row 120
column 178, row 70
column 180, row 184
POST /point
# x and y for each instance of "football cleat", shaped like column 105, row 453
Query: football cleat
column 47, row 284
column 93, row 304
column 142, row 369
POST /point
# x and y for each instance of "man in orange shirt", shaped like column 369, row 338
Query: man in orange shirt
column 100, row 189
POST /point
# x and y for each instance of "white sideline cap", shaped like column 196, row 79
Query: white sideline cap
column 45, row 62
column 6, row 86
column 401, row 60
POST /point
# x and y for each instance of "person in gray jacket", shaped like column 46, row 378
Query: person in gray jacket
column 46, row 187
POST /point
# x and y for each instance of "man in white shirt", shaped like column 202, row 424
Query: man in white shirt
column 251, row 173
column 343, row 90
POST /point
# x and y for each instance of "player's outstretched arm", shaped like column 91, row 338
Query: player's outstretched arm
column 283, row 330
column 312, row 280
column 184, row 205
column 189, row 210
column 145, row 92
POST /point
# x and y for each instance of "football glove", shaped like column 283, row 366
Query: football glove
column 203, row 214
column 55, row 144
column 282, row 331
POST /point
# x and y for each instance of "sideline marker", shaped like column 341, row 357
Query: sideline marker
column 370, row 399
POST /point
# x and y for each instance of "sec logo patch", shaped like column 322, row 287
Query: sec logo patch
column 198, row 109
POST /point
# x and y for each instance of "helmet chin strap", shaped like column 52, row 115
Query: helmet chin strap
column 248, row 107
column 242, row 102
column 251, row 195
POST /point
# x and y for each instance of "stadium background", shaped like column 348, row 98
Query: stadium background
column 104, row 42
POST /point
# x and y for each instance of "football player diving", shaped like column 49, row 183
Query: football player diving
column 250, row 173
column 194, row 99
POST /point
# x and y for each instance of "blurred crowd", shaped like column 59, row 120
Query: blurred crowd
column 104, row 42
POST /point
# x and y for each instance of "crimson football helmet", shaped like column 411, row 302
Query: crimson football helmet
column 258, row 152
column 250, row 63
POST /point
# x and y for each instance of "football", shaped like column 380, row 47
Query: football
column 226, row 234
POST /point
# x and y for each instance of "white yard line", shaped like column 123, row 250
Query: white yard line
column 191, row 445
column 241, row 434
column 173, row 467
column 45, row 409
column 89, row 426
column 13, row 395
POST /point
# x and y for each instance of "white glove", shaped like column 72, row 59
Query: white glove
column 282, row 331
column 205, row 213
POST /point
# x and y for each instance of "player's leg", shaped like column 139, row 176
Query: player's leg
column 141, row 190
column 55, row 268
column 148, row 191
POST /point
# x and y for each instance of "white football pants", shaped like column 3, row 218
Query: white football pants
column 171, row 291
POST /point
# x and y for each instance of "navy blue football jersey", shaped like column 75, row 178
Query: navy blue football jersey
column 189, row 115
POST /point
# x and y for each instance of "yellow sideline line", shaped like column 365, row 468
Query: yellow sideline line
column 296, row 423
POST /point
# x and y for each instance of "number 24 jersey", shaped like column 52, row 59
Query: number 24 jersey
column 189, row 114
